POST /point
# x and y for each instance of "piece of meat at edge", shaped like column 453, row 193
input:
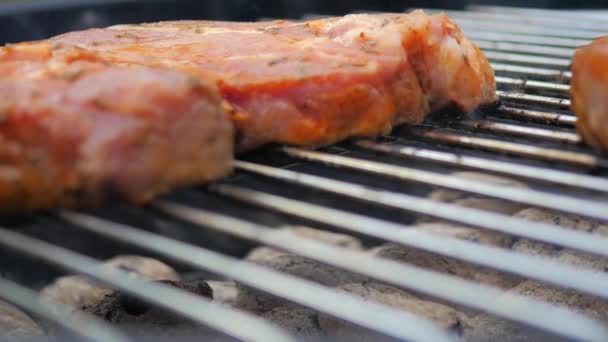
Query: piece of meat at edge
column 107, row 132
column 589, row 92
column 317, row 82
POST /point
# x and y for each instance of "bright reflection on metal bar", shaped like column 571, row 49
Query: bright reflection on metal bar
column 470, row 217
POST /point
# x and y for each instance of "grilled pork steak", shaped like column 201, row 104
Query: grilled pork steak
column 589, row 90
column 134, row 110
column 76, row 132
column 315, row 82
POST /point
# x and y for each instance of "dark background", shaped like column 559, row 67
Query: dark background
column 30, row 20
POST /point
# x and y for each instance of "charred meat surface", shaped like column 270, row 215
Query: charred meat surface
column 589, row 90
column 316, row 82
column 76, row 132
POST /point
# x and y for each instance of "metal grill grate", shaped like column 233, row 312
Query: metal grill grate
column 369, row 187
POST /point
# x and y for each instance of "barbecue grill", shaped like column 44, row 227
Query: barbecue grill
column 370, row 188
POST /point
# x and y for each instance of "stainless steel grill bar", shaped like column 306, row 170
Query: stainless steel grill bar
column 592, row 15
column 523, row 38
column 520, row 48
column 196, row 308
column 547, row 117
column 467, row 216
column 28, row 300
column 533, row 267
column 449, row 288
column 533, row 85
column 575, row 24
column 538, row 174
column 566, row 14
column 531, row 197
column 597, row 13
column 383, row 319
column 515, row 58
column 526, row 71
column 506, row 27
column 542, row 153
column 534, row 99
column 525, row 131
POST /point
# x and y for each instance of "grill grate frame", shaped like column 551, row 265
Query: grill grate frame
column 530, row 54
